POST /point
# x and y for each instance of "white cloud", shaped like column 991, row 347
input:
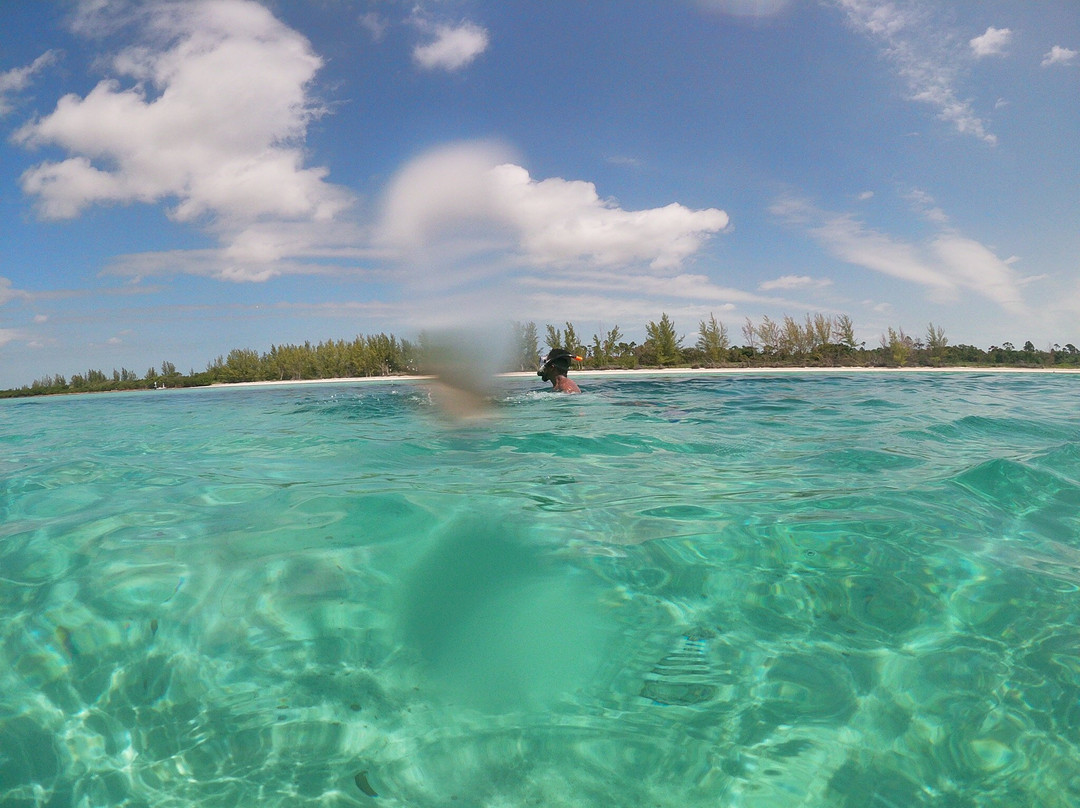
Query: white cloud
column 912, row 41
column 7, row 293
column 945, row 265
column 19, row 78
column 375, row 24
column 1058, row 55
column 865, row 195
column 453, row 48
column 794, row 282
column 8, row 335
column 924, row 204
column 686, row 286
column 260, row 252
column 991, row 43
column 747, row 8
column 550, row 222
column 98, row 18
column 213, row 120
column 975, row 267
column 848, row 239
column 565, row 220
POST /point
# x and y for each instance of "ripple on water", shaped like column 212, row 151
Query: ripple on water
column 801, row 688
column 842, row 591
column 1064, row 461
column 1019, row 489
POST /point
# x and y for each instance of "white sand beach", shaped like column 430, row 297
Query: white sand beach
column 683, row 372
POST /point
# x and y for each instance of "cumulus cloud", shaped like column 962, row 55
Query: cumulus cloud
column 19, row 78
column 912, row 42
column 550, row 222
column 991, row 43
column 945, row 265
column 1058, row 55
column 453, row 47
column 211, row 118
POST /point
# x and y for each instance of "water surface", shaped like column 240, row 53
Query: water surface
column 847, row 590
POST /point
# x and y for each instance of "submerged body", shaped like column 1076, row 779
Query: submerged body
column 562, row 384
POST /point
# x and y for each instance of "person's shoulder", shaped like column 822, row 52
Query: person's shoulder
column 567, row 386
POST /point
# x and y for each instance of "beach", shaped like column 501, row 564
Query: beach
column 617, row 373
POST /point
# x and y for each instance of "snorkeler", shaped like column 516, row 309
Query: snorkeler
column 554, row 369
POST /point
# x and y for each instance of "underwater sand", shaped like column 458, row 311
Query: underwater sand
column 776, row 589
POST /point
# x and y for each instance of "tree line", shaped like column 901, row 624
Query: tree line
column 817, row 340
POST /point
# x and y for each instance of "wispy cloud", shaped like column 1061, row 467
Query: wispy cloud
column 747, row 8
column 944, row 265
column 794, row 282
column 19, row 78
column 924, row 204
column 8, row 293
column 686, row 286
column 1058, row 55
column 923, row 57
column 974, row 266
column 375, row 24
column 991, row 43
column 453, row 46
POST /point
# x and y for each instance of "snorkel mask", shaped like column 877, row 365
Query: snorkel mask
column 557, row 359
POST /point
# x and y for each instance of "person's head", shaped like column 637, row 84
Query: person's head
column 556, row 363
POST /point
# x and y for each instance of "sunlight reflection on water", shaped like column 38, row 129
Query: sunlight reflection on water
column 755, row 591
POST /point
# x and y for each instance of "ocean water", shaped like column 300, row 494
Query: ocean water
column 849, row 590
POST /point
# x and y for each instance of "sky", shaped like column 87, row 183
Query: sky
column 178, row 179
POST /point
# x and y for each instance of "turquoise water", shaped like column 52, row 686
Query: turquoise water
column 822, row 590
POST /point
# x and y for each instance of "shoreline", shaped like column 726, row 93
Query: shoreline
column 638, row 372
column 625, row 373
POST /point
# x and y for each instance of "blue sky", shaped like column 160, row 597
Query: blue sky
column 182, row 178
